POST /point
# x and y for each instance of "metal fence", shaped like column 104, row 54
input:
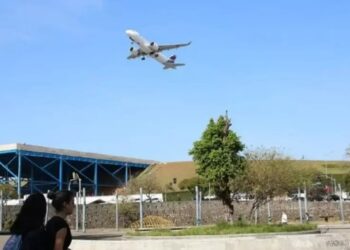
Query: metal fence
column 190, row 213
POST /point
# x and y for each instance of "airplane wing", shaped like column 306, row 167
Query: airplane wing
column 172, row 46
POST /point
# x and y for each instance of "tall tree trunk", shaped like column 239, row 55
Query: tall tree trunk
column 227, row 201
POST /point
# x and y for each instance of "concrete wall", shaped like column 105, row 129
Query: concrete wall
column 261, row 242
column 183, row 213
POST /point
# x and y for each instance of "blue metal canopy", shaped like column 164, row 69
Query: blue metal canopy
column 34, row 168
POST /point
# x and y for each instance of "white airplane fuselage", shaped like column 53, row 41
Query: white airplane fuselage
column 139, row 40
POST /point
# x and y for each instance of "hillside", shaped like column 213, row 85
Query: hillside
column 175, row 172
column 172, row 172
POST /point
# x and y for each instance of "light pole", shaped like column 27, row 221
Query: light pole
column 75, row 178
column 209, row 191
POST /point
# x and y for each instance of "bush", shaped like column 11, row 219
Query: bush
column 128, row 213
column 179, row 196
column 8, row 223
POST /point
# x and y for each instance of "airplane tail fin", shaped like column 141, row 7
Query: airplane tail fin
column 170, row 64
column 172, row 59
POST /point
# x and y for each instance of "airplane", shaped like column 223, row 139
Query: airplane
column 153, row 50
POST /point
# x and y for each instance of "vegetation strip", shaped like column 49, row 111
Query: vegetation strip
column 225, row 228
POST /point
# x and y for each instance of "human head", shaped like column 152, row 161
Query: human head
column 31, row 215
column 61, row 199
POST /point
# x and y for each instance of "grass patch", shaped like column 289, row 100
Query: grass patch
column 225, row 228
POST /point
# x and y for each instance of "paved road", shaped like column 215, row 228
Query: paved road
column 3, row 239
column 112, row 234
column 92, row 234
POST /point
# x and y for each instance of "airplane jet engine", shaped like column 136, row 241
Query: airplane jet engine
column 134, row 52
column 153, row 46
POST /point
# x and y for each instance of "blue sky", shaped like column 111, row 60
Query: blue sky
column 280, row 68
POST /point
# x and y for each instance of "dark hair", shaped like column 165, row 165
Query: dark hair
column 59, row 197
column 31, row 216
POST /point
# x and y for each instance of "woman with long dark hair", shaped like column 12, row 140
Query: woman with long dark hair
column 59, row 234
column 30, row 218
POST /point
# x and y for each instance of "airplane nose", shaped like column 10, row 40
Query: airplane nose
column 131, row 32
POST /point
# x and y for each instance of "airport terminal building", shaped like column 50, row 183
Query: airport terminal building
column 32, row 168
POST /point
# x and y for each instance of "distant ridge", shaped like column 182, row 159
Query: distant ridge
column 164, row 173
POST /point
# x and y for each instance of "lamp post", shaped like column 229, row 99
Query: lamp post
column 75, row 178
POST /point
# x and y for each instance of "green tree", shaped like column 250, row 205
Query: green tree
column 347, row 152
column 148, row 184
column 305, row 175
column 268, row 174
column 218, row 157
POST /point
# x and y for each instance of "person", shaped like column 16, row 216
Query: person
column 284, row 219
column 58, row 231
column 30, row 218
